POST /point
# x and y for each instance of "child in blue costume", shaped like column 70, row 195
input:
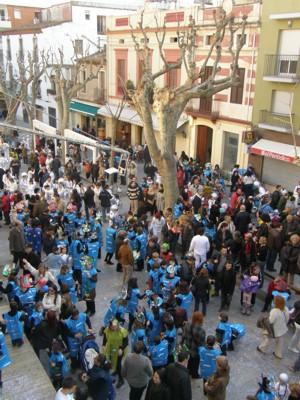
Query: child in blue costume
column 59, row 366
column 89, row 283
column 154, row 278
column 67, row 283
column 208, row 355
column 76, row 330
column 14, row 322
column 224, row 333
column 133, row 297
column 159, row 353
column 110, row 247
column 5, row 359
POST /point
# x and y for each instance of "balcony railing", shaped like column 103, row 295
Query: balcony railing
column 278, row 122
column 282, row 68
column 208, row 109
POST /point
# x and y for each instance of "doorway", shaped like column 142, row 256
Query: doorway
column 204, row 144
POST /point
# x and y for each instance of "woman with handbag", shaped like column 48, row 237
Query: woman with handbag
column 295, row 341
column 278, row 318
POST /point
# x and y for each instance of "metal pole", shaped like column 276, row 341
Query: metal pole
column 62, row 138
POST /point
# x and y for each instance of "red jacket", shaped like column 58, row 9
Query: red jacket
column 5, row 203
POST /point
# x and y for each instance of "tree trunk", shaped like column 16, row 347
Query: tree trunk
column 167, row 170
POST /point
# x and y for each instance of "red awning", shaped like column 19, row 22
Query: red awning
column 279, row 151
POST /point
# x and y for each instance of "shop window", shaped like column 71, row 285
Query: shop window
column 237, row 92
column 87, row 15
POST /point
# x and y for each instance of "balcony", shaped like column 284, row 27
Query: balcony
column 282, row 68
column 5, row 23
column 277, row 122
column 204, row 108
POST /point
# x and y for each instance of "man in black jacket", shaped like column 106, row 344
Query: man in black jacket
column 105, row 198
column 178, row 378
column 242, row 220
column 89, row 201
column 227, row 283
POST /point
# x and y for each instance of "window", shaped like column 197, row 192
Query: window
column 8, row 48
column 239, row 36
column 52, row 116
column 121, row 41
column 25, row 115
column 101, row 24
column 39, row 89
column 174, row 39
column 230, row 150
column 21, row 48
column 208, row 40
column 206, row 102
column 2, row 15
column 282, row 102
column 173, row 78
column 78, row 44
column 82, row 80
column 121, row 76
column 236, row 95
column 87, row 15
column 17, row 13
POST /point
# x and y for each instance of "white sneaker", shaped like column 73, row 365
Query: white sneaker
column 294, row 350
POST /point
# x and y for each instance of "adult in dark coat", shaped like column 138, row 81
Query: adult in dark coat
column 242, row 220
column 178, row 378
column 100, row 380
column 227, row 283
column 193, row 338
column 89, row 201
column 275, row 197
column 44, row 334
column 16, row 241
column 289, row 256
column 56, row 164
column 215, row 387
column 200, row 289
column 157, row 389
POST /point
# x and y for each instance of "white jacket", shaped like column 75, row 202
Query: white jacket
column 279, row 320
column 199, row 245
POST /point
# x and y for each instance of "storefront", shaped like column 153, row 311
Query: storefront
column 277, row 163
column 85, row 115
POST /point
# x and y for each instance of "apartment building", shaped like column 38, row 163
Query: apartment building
column 74, row 23
column 276, row 113
column 211, row 129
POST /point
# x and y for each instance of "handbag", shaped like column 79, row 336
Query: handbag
column 263, row 322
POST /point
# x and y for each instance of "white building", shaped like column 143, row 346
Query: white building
column 82, row 23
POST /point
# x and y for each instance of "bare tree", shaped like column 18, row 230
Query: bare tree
column 16, row 80
column 38, row 64
column 69, row 79
column 169, row 103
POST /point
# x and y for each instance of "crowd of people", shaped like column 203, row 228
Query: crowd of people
column 213, row 242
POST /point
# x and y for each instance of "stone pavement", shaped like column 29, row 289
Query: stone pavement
column 246, row 363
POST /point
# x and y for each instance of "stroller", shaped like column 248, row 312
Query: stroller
column 88, row 351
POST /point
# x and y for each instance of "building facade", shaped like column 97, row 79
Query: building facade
column 276, row 113
column 211, row 130
column 78, row 24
